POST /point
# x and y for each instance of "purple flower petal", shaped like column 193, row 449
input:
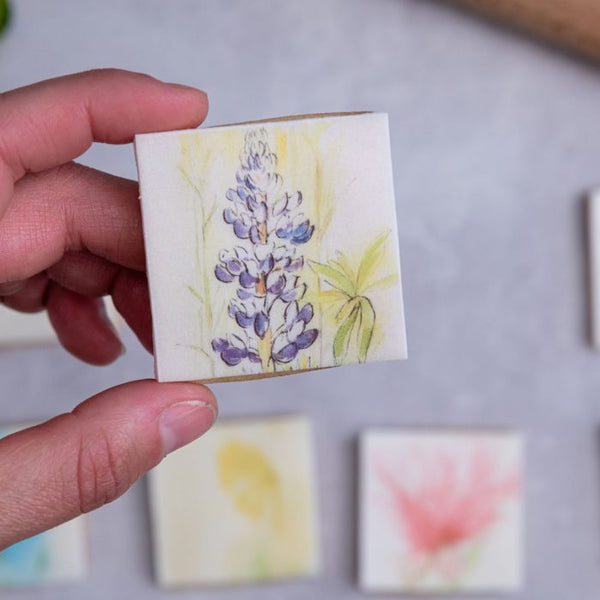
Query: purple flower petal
column 250, row 183
column 234, row 266
column 264, row 266
column 242, row 193
column 246, row 280
column 305, row 339
column 231, row 195
column 283, row 233
column 286, row 354
column 261, row 324
column 306, row 313
column 254, row 357
column 254, row 235
column 295, row 330
column 290, row 314
column 279, row 342
column 294, row 265
column 243, row 294
column 243, row 320
column 278, row 286
column 229, row 215
column 222, row 274
column 252, row 203
column 301, row 234
column 219, row 344
column 233, row 356
column 289, row 295
column 240, row 229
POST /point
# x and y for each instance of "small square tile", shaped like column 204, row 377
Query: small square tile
column 272, row 247
column 57, row 556
column 440, row 511
column 237, row 505
column 22, row 330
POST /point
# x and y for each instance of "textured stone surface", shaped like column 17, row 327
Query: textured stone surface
column 495, row 138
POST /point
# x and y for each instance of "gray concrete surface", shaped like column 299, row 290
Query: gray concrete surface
column 495, row 138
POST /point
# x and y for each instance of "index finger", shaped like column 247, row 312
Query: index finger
column 49, row 123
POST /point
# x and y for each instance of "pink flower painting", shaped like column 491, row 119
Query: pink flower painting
column 438, row 508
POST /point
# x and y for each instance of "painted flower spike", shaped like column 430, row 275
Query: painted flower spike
column 265, row 264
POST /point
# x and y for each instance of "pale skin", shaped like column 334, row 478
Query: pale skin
column 68, row 236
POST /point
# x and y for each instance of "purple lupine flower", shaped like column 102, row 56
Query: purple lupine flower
column 265, row 264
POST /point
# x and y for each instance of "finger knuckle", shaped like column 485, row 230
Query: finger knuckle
column 103, row 473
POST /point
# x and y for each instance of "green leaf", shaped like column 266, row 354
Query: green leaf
column 195, row 293
column 347, row 308
column 342, row 337
column 345, row 266
column 333, row 277
column 365, row 328
column 370, row 261
column 331, row 296
column 384, row 282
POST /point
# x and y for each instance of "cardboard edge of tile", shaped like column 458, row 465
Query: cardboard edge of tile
column 593, row 247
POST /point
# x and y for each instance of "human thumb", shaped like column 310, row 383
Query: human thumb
column 79, row 461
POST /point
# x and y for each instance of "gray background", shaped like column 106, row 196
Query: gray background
column 495, row 139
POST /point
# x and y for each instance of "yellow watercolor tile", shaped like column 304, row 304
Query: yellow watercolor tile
column 236, row 506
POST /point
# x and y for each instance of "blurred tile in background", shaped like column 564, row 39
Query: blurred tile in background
column 237, row 505
column 440, row 511
column 593, row 240
column 58, row 556
column 19, row 330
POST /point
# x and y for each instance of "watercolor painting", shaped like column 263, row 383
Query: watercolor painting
column 282, row 247
column 57, row 556
column 237, row 506
column 441, row 511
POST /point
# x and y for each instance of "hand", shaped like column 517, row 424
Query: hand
column 68, row 236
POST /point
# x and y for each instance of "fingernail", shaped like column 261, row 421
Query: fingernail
column 187, row 88
column 185, row 421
